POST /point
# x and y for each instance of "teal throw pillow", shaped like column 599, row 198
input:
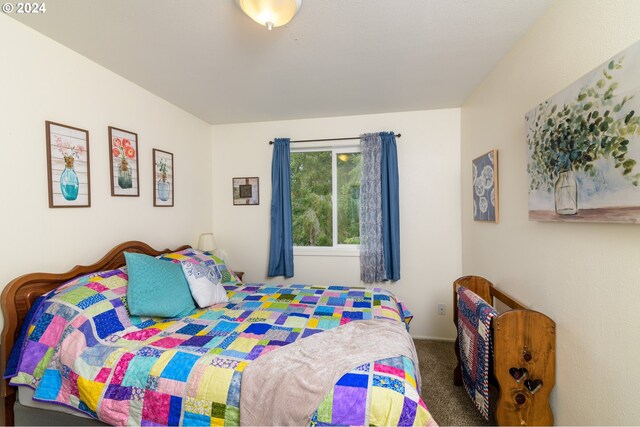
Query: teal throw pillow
column 157, row 288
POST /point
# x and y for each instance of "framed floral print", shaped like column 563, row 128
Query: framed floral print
column 68, row 166
column 163, row 178
column 123, row 147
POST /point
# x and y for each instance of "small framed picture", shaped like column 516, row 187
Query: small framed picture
column 246, row 191
column 68, row 166
column 485, row 187
column 163, row 178
column 123, row 146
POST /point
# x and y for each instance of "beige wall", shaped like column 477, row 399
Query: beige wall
column 585, row 276
column 42, row 80
column 428, row 157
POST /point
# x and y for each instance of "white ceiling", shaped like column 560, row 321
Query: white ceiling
column 337, row 57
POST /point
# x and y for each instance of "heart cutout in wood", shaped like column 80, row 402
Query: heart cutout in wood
column 518, row 374
column 533, row 385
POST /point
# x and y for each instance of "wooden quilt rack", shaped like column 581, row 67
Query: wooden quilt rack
column 524, row 343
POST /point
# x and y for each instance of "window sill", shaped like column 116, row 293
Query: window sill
column 333, row 251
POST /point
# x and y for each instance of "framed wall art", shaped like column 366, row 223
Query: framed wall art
column 123, row 148
column 68, row 166
column 485, row 187
column 246, row 191
column 163, row 178
column 583, row 145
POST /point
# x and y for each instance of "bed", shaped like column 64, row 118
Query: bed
column 78, row 348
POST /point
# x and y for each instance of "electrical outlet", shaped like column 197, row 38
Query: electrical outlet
column 442, row 309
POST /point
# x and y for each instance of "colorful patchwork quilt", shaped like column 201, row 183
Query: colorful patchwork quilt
column 82, row 349
column 474, row 337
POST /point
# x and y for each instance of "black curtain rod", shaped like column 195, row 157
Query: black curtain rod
column 327, row 139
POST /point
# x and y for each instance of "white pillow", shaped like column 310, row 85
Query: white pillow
column 204, row 283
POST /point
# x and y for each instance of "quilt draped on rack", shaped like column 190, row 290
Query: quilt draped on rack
column 474, row 336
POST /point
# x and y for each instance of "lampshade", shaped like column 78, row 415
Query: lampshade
column 206, row 242
column 271, row 13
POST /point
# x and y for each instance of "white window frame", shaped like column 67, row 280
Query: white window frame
column 342, row 250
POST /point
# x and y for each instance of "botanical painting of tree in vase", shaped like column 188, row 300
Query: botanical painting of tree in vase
column 583, row 145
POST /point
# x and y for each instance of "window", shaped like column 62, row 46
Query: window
column 325, row 197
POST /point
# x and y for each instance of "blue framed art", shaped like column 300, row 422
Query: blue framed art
column 485, row 187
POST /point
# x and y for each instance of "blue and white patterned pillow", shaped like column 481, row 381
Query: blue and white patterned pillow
column 204, row 258
column 204, row 283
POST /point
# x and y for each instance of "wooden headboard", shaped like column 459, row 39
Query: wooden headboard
column 18, row 296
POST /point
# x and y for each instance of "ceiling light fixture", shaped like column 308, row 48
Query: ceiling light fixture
column 270, row 13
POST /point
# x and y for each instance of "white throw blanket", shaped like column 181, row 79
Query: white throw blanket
column 286, row 386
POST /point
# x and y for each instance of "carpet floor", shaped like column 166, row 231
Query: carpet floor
column 450, row 405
